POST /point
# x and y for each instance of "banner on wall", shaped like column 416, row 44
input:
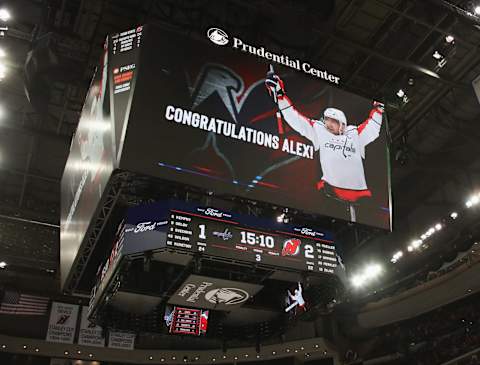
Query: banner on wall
column 62, row 323
column 90, row 334
column 121, row 340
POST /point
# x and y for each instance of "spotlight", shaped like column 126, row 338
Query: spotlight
column 24, row 347
column 400, row 93
column 416, row 243
column 5, row 15
column 37, row 349
column 475, row 199
column 90, row 355
column 438, row 227
column 409, row 248
column 469, row 203
column 449, row 39
column 65, row 353
column 357, row 280
column 477, row 10
column 437, row 55
column 396, row 256
column 372, row 271
column 150, row 358
column 454, row 215
column 3, row 265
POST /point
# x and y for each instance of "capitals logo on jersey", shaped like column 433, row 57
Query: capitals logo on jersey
column 291, row 247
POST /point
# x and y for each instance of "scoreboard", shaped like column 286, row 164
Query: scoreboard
column 211, row 232
column 188, row 321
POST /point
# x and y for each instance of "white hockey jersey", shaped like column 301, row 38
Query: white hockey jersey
column 340, row 155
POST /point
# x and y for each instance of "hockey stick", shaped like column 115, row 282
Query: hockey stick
column 275, row 99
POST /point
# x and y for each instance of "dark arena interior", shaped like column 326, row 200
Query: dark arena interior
column 225, row 182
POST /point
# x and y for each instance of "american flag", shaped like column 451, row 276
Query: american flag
column 23, row 304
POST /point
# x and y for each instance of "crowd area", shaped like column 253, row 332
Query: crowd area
column 435, row 337
column 423, row 276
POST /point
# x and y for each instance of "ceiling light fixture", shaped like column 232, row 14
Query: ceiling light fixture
column 449, row 39
column 5, row 15
column 437, row 55
column 400, row 93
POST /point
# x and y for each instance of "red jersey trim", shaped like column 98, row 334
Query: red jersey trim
column 347, row 194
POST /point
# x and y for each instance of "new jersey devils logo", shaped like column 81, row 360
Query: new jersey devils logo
column 291, row 247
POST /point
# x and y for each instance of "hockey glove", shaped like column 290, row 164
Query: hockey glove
column 274, row 86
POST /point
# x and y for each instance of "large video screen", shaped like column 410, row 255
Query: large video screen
column 96, row 144
column 186, row 321
column 235, row 118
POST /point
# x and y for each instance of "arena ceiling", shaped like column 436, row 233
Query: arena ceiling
column 378, row 47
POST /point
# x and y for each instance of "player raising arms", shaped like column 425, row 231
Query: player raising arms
column 341, row 146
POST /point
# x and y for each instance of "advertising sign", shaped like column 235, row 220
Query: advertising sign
column 237, row 118
column 90, row 334
column 62, row 323
column 212, row 293
column 121, row 340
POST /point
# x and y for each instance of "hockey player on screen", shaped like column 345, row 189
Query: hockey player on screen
column 341, row 147
column 295, row 300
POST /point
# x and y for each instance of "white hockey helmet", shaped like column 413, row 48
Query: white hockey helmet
column 336, row 114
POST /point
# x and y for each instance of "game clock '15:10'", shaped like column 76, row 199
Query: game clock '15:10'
column 265, row 241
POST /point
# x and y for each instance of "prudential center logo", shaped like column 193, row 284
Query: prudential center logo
column 217, row 36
